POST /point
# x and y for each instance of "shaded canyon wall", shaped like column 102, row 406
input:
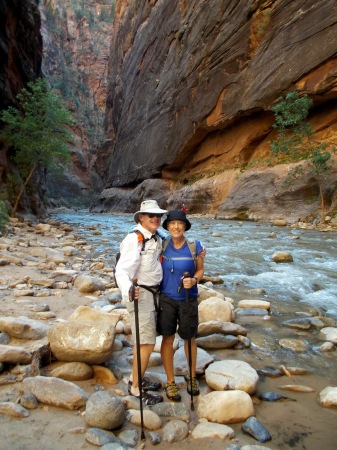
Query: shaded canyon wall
column 21, row 59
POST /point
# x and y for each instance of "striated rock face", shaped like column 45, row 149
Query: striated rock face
column 190, row 90
column 76, row 39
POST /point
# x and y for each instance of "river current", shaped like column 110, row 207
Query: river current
column 240, row 254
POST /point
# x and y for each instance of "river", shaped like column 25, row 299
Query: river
column 240, row 254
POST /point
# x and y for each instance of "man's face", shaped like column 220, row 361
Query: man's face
column 150, row 221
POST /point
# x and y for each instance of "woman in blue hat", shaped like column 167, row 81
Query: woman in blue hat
column 180, row 255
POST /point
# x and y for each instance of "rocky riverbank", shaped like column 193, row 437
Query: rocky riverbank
column 66, row 354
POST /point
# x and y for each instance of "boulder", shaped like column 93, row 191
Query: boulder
column 55, row 392
column 89, row 342
column 225, row 407
column 214, row 308
column 232, row 375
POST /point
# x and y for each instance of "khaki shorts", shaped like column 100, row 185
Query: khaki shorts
column 147, row 318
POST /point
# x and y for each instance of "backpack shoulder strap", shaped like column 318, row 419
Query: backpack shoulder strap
column 193, row 249
column 141, row 238
column 165, row 243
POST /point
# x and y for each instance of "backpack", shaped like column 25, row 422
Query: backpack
column 142, row 240
column 191, row 245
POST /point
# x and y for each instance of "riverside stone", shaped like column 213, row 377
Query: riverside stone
column 89, row 342
column 215, row 308
column 217, row 341
column 212, row 430
column 55, row 392
column 151, row 420
column 29, row 401
column 87, row 314
column 13, row 410
column 23, row 328
column 255, row 428
column 14, row 355
column 215, row 327
column 232, row 375
column 71, row 371
column 175, row 431
column 205, row 292
column 329, row 334
column 101, row 438
column 105, row 410
column 302, row 323
column 261, row 304
column 88, row 284
column 129, row 437
column 172, row 409
column 251, row 312
column 293, row 344
column 225, row 407
column 282, row 257
column 328, row 397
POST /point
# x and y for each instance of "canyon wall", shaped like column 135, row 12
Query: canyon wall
column 21, row 58
column 190, row 91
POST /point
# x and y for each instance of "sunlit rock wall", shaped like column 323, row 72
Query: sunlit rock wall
column 190, row 86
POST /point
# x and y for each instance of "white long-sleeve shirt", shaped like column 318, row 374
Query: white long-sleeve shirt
column 146, row 267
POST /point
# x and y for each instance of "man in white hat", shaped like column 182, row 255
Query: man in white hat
column 140, row 259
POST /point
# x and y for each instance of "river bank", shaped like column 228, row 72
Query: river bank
column 299, row 423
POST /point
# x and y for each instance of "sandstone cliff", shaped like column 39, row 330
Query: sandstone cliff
column 190, row 88
column 76, row 40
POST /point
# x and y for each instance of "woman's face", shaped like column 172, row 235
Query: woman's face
column 176, row 228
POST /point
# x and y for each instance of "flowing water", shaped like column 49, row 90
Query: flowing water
column 240, row 253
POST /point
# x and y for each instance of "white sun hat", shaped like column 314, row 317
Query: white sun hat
column 148, row 206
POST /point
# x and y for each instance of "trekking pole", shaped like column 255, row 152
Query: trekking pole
column 187, row 297
column 139, row 364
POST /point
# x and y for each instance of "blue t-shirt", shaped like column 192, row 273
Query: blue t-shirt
column 175, row 263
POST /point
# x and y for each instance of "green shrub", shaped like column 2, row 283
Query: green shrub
column 3, row 216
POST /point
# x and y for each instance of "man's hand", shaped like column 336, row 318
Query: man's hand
column 134, row 292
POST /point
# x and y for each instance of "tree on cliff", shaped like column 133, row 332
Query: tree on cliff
column 295, row 142
column 38, row 130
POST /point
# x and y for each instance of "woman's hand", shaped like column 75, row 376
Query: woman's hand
column 189, row 282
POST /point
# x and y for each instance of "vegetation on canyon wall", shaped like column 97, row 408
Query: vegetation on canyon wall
column 295, row 143
column 38, row 130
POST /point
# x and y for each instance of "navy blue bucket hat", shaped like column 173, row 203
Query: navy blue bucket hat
column 177, row 214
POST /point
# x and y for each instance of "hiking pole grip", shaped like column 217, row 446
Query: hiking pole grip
column 187, row 296
column 139, row 366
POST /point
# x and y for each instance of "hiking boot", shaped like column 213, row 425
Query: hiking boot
column 195, row 385
column 147, row 385
column 149, row 399
column 172, row 392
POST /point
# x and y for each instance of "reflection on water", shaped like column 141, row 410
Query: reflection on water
column 240, row 254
